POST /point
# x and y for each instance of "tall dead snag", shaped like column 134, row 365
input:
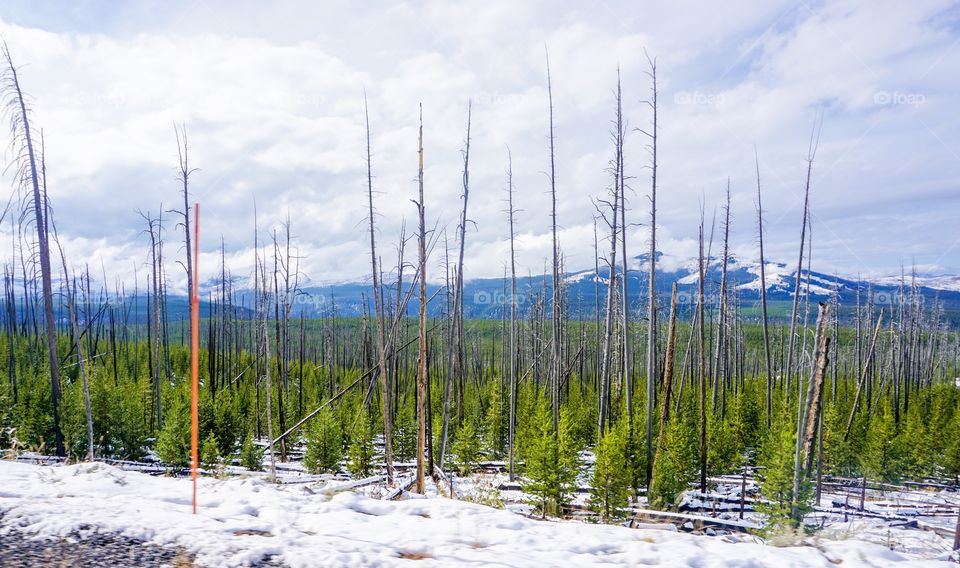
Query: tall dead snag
column 703, row 364
column 763, row 299
column 385, row 385
column 513, row 315
column 719, row 361
column 811, row 153
column 624, row 286
column 265, row 303
column 422, row 330
column 27, row 174
column 153, row 324
column 606, row 363
column 183, row 176
column 652, row 287
column 809, row 405
column 456, row 336
column 556, row 349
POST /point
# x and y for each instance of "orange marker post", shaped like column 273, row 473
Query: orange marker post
column 195, row 354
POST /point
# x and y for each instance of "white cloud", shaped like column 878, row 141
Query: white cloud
column 273, row 102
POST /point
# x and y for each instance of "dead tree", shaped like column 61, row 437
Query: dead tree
column 763, row 299
column 385, row 385
column 606, row 362
column 719, row 360
column 811, row 153
column 703, row 364
column 513, row 315
column 27, row 174
column 422, row 329
column 184, row 178
column 808, row 406
column 620, row 137
column 456, row 335
column 652, row 287
column 556, row 350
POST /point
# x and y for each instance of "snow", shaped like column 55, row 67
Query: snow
column 946, row 282
column 244, row 520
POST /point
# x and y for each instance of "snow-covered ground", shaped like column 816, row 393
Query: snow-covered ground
column 245, row 520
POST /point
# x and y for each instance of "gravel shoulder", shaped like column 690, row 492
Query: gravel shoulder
column 83, row 548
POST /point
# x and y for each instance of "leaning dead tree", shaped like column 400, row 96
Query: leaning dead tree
column 809, row 406
column 27, row 177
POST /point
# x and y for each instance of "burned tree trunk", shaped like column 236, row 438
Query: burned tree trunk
column 27, row 166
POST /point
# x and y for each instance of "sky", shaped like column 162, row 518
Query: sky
column 272, row 98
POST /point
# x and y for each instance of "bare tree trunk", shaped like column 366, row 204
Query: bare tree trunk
column 719, row 361
column 385, row 385
column 266, row 355
column 703, row 366
column 513, row 316
column 184, row 177
column 811, row 153
column 23, row 139
column 763, row 300
column 422, row 334
column 652, row 288
column 556, row 350
column 456, row 344
column 807, row 411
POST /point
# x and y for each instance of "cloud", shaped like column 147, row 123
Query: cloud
column 273, row 101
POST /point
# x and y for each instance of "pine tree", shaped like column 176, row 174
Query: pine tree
column 950, row 457
column 361, row 447
column 777, row 458
column 324, row 444
column 672, row 470
column 466, row 447
column 551, row 460
column 405, row 436
column 725, row 452
column 495, row 422
column 883, row 455
column 173, row 443
column 612, row 479
column 210, row 454
column 251, row 457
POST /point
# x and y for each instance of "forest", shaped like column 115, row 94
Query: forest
column 636, row 403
